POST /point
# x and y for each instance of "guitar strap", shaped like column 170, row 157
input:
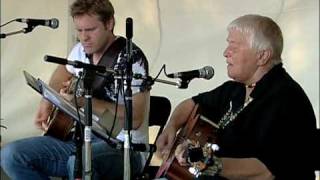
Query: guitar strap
column 109, row 59
column 110, row 55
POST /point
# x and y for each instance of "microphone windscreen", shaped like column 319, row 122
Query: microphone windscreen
column 54, row 23
column 209, row 72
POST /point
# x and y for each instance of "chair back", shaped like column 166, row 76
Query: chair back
column 160, row 108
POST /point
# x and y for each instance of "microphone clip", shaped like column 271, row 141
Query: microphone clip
column 29, row 28
column 184, row 83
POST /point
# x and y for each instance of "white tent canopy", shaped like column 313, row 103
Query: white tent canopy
column 182, row 34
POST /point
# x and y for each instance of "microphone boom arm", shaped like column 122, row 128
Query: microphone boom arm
column 24, row 30
column 183, row 84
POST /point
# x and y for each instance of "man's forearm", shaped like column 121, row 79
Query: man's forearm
column 139, row 109
column 244, row 168
column 181, row 113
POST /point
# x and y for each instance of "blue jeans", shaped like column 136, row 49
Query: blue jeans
column 107, row 162
column 44, row 156
column 36, row 158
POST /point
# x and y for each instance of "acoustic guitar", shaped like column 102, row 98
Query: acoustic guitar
column 198, row 130
column 59, row 123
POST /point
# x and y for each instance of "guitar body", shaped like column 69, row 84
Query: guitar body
column 59, row 124
column 198, row 129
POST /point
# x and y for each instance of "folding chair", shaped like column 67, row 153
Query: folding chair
column 160, row 108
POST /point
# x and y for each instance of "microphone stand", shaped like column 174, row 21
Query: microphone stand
column 88, row 73
column 128, row 102
column 87, row 84
column 182, row 84
column 24, row 30
column 117, row 75
column 78, row 139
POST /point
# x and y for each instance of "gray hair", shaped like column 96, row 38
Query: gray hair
column 263, row 34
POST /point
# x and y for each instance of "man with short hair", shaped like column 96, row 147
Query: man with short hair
column 44, row 156
column 266, row 121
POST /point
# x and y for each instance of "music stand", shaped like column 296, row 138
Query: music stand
column 55, row 98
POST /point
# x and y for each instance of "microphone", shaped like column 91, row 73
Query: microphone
column 129, row 28
column 77, row 64
column 52, row 23
column 58, row 60
column 206, row 72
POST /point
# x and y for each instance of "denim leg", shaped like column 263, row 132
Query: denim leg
column 36, row 158
column 107, row 162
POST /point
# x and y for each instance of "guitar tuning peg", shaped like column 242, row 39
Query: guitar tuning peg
column 80, row 92
column 213, row 146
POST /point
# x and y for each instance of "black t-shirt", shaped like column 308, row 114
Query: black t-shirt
column 277, row 127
